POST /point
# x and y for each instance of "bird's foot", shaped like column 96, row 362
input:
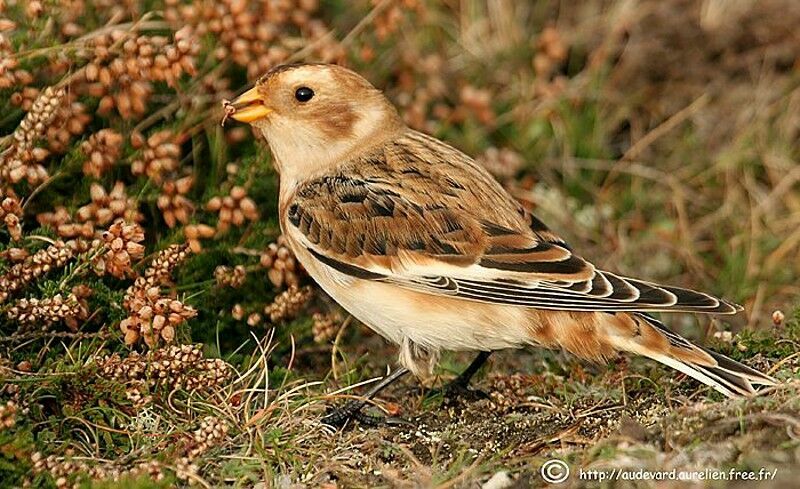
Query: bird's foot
column 352, row 410
column 455, row 391
column 338, row 417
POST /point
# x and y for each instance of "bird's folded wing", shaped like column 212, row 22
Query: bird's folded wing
column 371, row 223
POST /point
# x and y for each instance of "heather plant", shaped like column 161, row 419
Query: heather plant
column 156, row 329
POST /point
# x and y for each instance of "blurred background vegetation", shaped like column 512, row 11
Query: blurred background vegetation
column 661, row 138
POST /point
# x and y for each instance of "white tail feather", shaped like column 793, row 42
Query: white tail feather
column 726, row 376
column 682, row 367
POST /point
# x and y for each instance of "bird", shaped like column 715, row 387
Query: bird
column 420, row 243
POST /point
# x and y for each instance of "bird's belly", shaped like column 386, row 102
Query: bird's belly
column 434, row 322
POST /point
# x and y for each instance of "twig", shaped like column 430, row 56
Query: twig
column 782, row 363
column 335, row 348
column 665, row 127
column 356, row 30
column 80, row 43
column 33, row 335
column 39, row 188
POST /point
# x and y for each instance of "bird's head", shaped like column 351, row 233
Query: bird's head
column 315, row 115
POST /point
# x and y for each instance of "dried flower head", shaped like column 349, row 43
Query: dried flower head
column 255, row 34
column 69, row 472
column 43, row 261
column 211, row 431
column 176, row 367
column 283, row 269
column 8, row 415
column 509, row 390
column 724, row 336
column 15, row 255
column 230, row 277
column 11, row 75
column 107, row 207
column 102, row 150
column 11, row 213
column 254, row 319
column 503, row 163
column 237, row 312
column 120, row 245
column 70, row 122
column 476, row 102
column 68, row 309
column 24, row 160
column 159, row 157
column 195, row 232
column 325, row 326
column 288, row 304
column 388, row 20
column 151, row 315
column 551, row 51
column 125, row 63
column 424, row 85
column 61, row 220
column 234, row 209
column 153, row 318
column 159, row 272
column 175, row 206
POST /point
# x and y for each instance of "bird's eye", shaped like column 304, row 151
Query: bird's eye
column 303, row 94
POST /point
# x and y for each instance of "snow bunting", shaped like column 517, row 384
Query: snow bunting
column 421, row 244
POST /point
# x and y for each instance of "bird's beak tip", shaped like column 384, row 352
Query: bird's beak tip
column 248, row 107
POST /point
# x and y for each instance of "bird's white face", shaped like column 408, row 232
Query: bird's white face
column 314, row 116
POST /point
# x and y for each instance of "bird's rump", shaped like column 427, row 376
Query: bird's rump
column 420, row 214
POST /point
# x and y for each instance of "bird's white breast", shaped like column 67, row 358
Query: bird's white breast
column 434, row 322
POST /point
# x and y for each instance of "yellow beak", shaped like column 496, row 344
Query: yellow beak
column 248, row 107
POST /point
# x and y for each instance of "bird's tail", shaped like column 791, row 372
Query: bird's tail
column 654, row 340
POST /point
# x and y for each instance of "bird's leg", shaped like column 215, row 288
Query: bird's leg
column 352, row 409
column 459, row 387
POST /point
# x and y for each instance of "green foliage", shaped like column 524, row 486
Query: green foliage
column 16, row 447
column 778, row 342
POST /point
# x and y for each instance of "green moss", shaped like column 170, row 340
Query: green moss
column 768, row 343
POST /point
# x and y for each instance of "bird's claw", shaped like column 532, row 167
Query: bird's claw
column 455, row 390
column 338, row 417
